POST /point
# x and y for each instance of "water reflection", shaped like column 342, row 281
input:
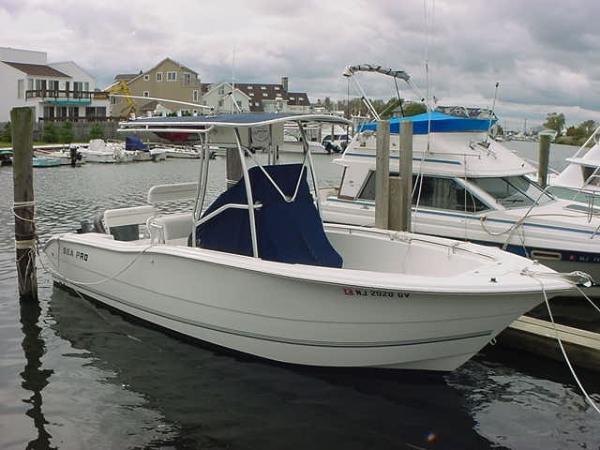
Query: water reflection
column 221, row 400
column 35, row 378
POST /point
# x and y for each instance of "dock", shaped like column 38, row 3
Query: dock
column 539, row 337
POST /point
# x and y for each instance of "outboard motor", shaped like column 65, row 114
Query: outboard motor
column 73, row 155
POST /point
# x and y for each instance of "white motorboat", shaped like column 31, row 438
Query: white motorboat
column 257, row 272
column 99, row 151
column 292, row 140
column 468, row 186
column 185, row 152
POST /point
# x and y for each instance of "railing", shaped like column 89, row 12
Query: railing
column 64, row 94
column 80, row 119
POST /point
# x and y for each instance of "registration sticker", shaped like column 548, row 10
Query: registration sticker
column 357, row 292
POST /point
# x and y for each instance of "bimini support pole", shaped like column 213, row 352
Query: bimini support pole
column 251, row 217
column 313, row 174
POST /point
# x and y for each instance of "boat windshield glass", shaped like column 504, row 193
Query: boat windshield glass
column 512, row 192
column 435, row 192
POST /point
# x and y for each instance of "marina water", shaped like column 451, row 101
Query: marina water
column 77, row 375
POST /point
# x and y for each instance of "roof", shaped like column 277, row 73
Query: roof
column 125, row 76
column 37, row 69
column 230, row 120
column 298, row 99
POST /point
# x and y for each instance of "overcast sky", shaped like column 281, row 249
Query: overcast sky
column 545, row 54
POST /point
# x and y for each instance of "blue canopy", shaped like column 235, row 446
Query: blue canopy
column 134, row 143
column 440, row 123
column 286, row 232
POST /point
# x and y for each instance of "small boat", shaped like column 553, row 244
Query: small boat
column 42, row 161
column 99, row 151
column 258, row 272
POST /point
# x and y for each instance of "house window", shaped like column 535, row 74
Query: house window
column 187, row 78
column 159, row 76
column 171, row 76
column 147, row 77
column 195, row 95
column 146, row 94
column 30, row 84
column 20, row 88
column 220, row 103
column 222, row 90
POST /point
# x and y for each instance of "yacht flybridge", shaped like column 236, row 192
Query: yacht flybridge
column 468, row 186
column 258, row 272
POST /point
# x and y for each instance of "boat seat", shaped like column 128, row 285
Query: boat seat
column 123, row 223
column 172, row 228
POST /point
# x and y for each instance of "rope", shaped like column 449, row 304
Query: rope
column 560, row 344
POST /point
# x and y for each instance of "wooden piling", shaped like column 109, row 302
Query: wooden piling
column 234, row 167
column 22, row 137
column 382, row 174
column 401, row 187
column 406, row 174
column 543, row 159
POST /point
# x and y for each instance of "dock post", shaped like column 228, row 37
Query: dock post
column 382, row 174
column 22, row 135
column 543, row 159
column 234, row 167
column 401, row 187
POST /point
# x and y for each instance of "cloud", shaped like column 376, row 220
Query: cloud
column 542, row 53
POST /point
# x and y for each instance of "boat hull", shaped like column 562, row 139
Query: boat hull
column 282, row 318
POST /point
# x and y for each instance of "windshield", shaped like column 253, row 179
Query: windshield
column 513, row 192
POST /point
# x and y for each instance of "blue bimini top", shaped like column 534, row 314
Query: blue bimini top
column 134, row 143
column 440, row 123
column 286, row 232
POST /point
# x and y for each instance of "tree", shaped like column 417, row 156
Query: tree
column 413, row 108
column 327, row 104
column 96, row 132
column 66, row 133
column 50, row 133
column 6, row 135
column 555, row 121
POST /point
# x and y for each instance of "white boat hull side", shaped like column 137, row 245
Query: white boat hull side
column 287, row 319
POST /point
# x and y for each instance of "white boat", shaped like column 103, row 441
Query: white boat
column 185, row 152
column 292, row 140
column 99, row 151
column 468, row 186
column 257, row 272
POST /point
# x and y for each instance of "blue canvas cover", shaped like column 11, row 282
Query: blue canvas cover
column 286, row 232
column 440, row 123
column 134, row 143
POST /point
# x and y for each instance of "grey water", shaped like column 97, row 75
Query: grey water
column 75, row 375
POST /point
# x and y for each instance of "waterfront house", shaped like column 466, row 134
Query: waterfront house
column 220, row 97
column 256, row 97
column 56, row 91
column 167, row 80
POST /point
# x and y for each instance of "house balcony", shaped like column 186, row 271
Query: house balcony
column 64, row 97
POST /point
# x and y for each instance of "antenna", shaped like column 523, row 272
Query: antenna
column 493, row 107
column 233, row 102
